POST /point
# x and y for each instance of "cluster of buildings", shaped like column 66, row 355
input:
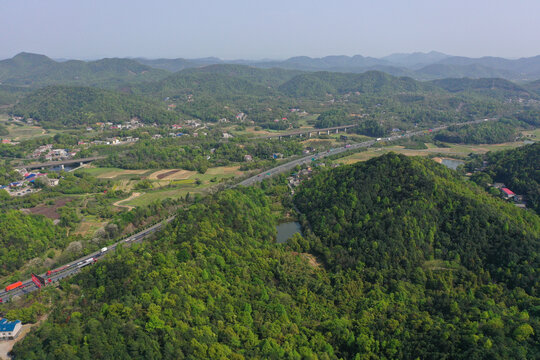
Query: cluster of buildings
column 112, row 141
column 50, row 154
column 127, row 125
column 24, row 187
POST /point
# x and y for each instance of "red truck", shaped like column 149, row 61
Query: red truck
column 57, row 270
column 13, row 286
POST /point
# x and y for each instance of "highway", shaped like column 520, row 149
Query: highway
column 309, row 158
column 74, row 266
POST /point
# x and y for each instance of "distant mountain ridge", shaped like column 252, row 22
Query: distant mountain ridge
column 37, row 70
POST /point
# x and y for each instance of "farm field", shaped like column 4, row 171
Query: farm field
column 184, row 182
column 114, row 173
column 171, row 174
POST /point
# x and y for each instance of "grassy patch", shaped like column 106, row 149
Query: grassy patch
column 154, row 195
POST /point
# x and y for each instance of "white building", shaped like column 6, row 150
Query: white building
column 9, row 330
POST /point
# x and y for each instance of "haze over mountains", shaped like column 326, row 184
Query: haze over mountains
column 26, row 69
column 421, row 66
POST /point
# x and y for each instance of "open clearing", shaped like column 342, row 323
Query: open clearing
column 49, row 210
column 22, row 131
column 88, row 227
column 171, row 174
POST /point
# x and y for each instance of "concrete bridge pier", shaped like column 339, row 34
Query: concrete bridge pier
column 309, row 134
column 337, row 131
column 345, row 130
column 62, row 166
column 327, row 132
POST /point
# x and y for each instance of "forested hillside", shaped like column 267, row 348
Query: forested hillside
column 35, row 70
column 372, row 82
column 412, row 262
column 493, row 87
column 60, row 106
column 221, row 91
column 493, row 132
column 519, row 169
column 23, row 237
column 434, row 247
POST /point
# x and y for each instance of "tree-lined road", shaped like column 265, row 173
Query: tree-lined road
column 74, row 266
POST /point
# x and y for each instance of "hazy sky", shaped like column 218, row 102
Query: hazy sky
column 255, row 29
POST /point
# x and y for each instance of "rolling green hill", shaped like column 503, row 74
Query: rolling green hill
column 411, row 262
column 491, row 87
column 61, row 106
column 34, row 70
column 372, row 82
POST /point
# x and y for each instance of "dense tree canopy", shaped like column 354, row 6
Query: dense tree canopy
column 416, row 263
column 59, row 106
column 483, row 133
column 23, row 237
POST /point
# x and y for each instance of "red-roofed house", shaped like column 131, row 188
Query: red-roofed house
column 507, row 192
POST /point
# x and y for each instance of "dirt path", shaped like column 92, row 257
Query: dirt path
column 133, row 196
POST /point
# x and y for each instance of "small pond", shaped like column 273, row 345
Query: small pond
column 452, row 163
column 285, row 231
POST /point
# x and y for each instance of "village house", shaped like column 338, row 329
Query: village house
column 248, row 158
column 9, row 330
column 507, row 193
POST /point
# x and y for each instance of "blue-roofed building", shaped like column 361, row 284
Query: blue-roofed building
column 9, row 330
